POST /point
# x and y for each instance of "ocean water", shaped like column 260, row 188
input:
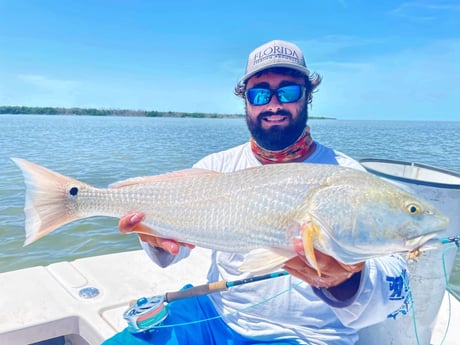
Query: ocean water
column 102, row 150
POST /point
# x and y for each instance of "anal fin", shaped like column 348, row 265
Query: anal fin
column 262, row 260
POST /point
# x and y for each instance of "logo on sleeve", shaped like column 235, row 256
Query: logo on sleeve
column 399, row 291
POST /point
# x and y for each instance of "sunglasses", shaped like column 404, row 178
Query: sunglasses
column 285, row 94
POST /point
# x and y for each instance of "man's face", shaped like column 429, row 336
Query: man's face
column 276, row 125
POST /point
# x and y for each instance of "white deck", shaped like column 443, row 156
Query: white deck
column 33, row 298
column 41, row 303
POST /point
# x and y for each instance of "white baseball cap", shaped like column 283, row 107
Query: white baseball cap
column 276, row 53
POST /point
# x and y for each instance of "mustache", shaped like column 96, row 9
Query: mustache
column 281, row 112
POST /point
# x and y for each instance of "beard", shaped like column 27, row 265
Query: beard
column 277, row 138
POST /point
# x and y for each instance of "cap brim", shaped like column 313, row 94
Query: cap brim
column 299, row 68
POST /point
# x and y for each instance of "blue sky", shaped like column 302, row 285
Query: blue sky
column 379, row 59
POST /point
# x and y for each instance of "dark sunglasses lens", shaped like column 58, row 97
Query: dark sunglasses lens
column 285, row 94
column 290, row 93
column 258, row 96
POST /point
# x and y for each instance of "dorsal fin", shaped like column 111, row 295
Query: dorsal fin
column 163, row 177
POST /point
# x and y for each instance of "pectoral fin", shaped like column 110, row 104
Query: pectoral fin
column 262, row 261
column 310, row 231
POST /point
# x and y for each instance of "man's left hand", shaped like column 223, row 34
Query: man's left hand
column 333, row 272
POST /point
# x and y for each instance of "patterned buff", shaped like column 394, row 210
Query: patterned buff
column 291, row 153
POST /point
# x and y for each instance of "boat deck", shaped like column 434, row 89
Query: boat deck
column 55, row 302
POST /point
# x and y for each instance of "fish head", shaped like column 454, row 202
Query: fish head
column 396, row 220
column 363, row 216
column 420, row 221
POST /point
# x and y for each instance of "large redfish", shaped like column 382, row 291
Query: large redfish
column 345, row 213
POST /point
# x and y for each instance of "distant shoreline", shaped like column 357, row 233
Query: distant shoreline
column 22, row 110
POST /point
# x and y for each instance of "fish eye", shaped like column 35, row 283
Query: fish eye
column 73, row 191
column 413, row 209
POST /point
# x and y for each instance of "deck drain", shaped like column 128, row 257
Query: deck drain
column 88, row 292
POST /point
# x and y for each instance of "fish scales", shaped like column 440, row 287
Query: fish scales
column 246, row 212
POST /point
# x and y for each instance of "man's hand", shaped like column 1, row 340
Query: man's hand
column 333, row 272
column 132, row 223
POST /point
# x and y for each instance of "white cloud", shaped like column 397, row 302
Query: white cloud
column 412, row 83
column 424, row 11
column 41, row 90
column 45, row 83
column 331, row 45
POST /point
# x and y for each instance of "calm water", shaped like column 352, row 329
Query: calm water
column 102, row 150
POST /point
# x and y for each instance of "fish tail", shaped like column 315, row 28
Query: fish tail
column 46, row 200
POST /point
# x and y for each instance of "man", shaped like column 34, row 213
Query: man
column 277, row 89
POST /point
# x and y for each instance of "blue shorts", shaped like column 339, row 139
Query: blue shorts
column 185, row 330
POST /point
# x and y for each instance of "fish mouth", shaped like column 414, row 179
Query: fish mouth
column 426, row 240
column 421, row 241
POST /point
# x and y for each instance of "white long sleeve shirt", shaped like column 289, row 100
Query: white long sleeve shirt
column 287, row 307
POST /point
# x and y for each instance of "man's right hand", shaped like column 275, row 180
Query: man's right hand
column 132, row 223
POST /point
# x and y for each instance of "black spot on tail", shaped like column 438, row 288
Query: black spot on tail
column 73, row 191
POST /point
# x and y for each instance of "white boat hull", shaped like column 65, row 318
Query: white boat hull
column 428, row 274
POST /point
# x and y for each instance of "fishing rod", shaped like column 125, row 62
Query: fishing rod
column 452, row 239
column 147, row 312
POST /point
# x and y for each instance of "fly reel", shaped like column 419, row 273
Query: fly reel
column 146, row 313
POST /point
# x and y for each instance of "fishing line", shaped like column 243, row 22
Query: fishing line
column 233, row 312
column 149, row 313
column 448, row 287
column 456, row 241
column 410, row 303
column 152, row 311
